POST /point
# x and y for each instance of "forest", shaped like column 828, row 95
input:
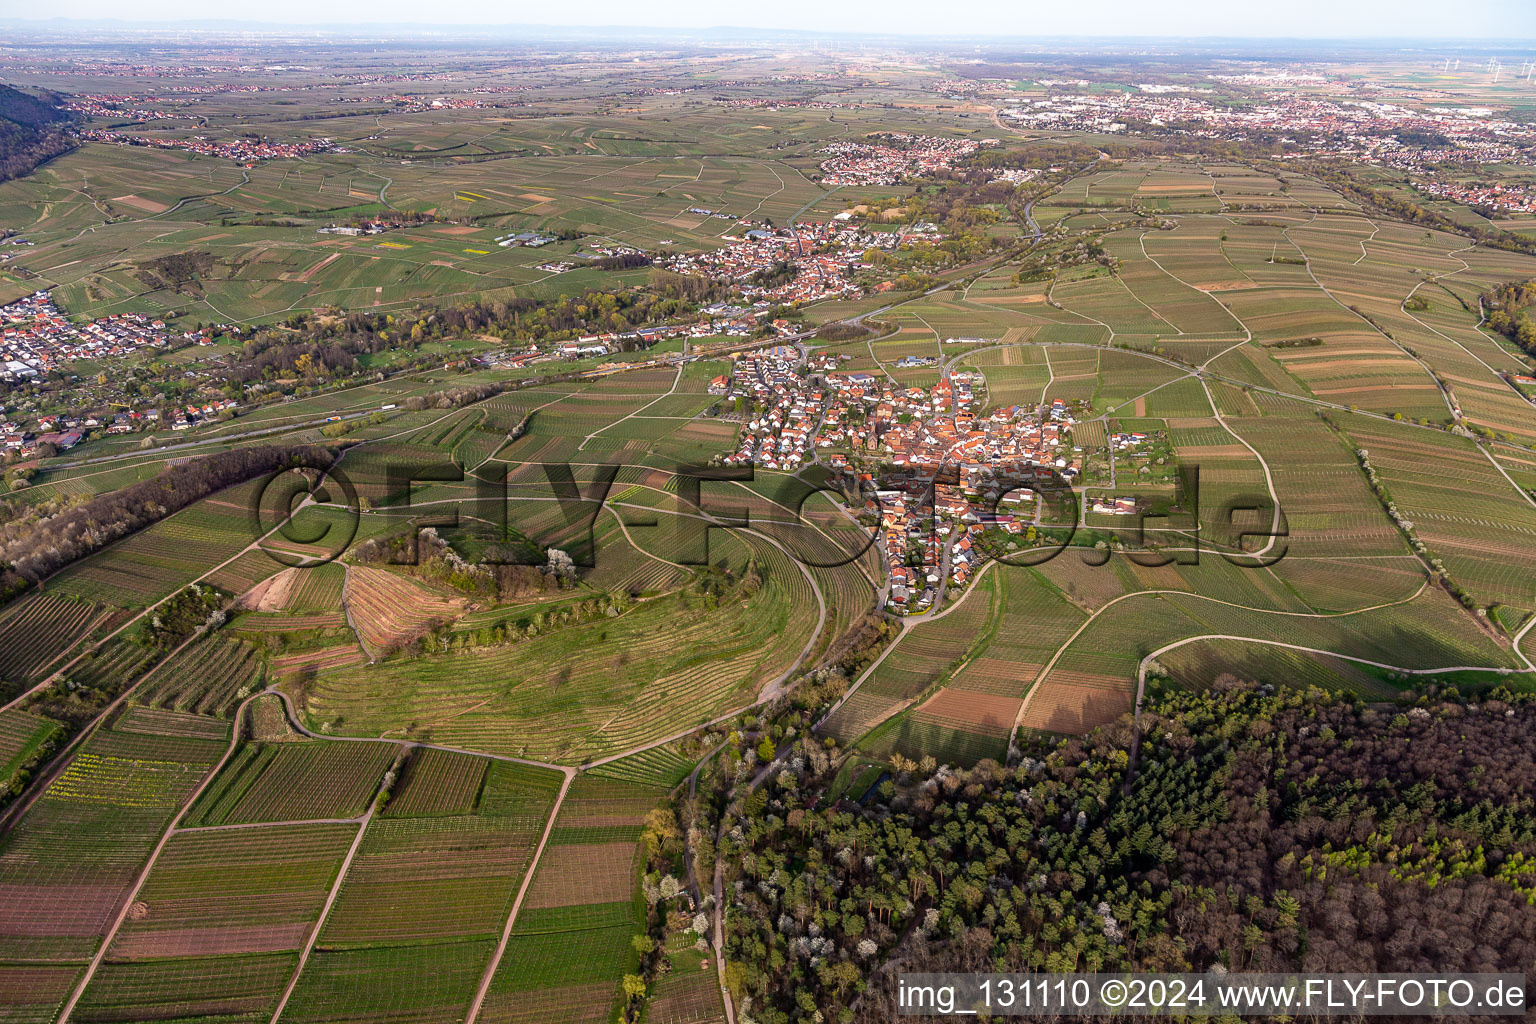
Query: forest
column 1508, row 302
column 29, row 132
column 1245, row 828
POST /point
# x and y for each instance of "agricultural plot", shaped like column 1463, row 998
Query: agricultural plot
column 388, row 609
column 1034, row 620
column 1015, row 375
column 431, row 892
column 225, row 988
column 1328, row 505
column 1104, row 298
column 1182, row 398
column 1460, row 505
column 570, row 942
column 921, row 658
column 208, row 677
column 293, row 782
column 1182, row 309
column 954, row 726
column 226, row 892
column 971, row 716
column 1093, row 682
column 1074, row 374
column 316, row 590
column 690, row 993
column 245, row 572
column 1202, row 664
column 1194, row 252
column 37, row 631
column 431, row 879
column 622, row 566
column 341, row 652
column 21, row 736
column 659, row 768
column 34, row 993
column 438, row 782
column 110, row 666
column 157, row 561
column 1335, row 316
column 378, row 471
column 156, row 722
column 1126, row 379
column 70, row 862
column 257, row 622
column 424, row 983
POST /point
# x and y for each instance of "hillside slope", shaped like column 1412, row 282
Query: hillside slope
column 29, row 132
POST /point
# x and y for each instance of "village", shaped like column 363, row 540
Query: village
column 36, row 337
column 888, row 158
column 244, row 150
column 932, row 468
column 811, row 261
column 120, row 107
column 1502, row 198
column 1363, row 130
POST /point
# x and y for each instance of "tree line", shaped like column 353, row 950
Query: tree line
column 35, row 548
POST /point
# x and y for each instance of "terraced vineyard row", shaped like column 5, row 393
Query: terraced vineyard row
column 208, row 677
column 35, row 631
column 388, row 609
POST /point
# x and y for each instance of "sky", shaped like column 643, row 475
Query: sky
column 1318, row 19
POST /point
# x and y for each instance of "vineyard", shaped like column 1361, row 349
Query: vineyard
column 317, row 590
column 413, row 928
column 155, row 722
column 659, row 767
column 185, row 988
column 690, row 992
column 425, row 983
column 571, row 939
column 339, row 655
column 587, row 689
column 438, row 782
column 35, row 992
column 245, row 572
column 155, row 562
column 110, row 665
column 35, row 632
column 208, row 677
column 294, row 782
column 22, row 735
column 429, row 879
column 257, row 622
column 233, row 891
column 68, row 865
column 922, row 657
column 388, row 609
